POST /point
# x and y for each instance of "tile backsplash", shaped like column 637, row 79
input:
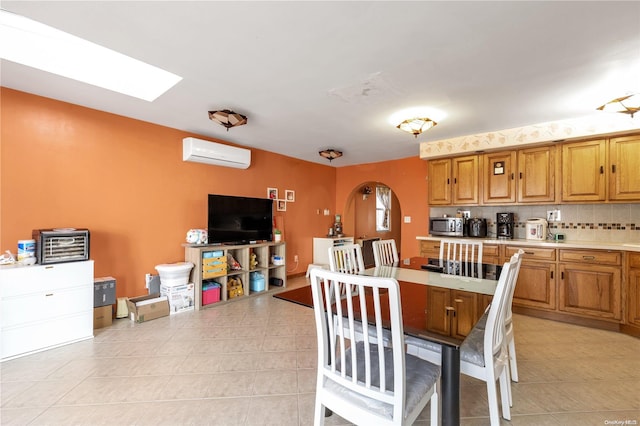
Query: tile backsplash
column 579, row 222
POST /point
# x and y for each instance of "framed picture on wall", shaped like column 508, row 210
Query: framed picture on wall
column 290, row 196
column 272, row 193
column 281, row 205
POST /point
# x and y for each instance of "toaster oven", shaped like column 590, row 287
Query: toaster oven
column 61, row 245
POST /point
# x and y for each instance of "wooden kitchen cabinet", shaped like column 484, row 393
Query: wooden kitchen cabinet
column 633, row 291
column 490, row 252
column 536, row 284
column 584, row 166
column 498, row 174
column 592, row 284
column 453, row 181
column 624, row 168
column 451, row 312
column 536, row 175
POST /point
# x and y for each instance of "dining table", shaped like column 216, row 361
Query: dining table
column 415, row 276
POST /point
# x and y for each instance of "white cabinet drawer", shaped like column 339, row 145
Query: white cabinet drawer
column 45, row 335
column 20, row 280
column 45, row 305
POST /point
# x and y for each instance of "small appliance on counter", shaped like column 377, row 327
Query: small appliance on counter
column 505, row 225
column 447, row 226
column 477, row 227
column 60, row 245
column 536, row 229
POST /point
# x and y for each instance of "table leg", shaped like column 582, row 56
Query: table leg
column 450, row 385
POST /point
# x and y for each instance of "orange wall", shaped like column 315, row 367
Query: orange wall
column 63, row 165
column 407, row 179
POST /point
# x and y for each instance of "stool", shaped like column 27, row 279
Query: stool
column 122, row 311
column 315, row 266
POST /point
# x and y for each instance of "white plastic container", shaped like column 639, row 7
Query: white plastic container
column 173, row 274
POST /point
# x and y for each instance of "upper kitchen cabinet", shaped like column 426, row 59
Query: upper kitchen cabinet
column 524, row 176
column 584, row 167
column 453, row 181
column 601, row 170
column 624, row 169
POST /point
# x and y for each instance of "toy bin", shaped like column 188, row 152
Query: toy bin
column 174, row 274
column 256, row 281
column 210, row 293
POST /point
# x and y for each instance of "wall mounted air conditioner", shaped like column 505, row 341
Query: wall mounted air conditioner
column 199, row 151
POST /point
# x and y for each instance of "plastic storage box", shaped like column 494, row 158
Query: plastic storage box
column 256, row 281
column 210, row 293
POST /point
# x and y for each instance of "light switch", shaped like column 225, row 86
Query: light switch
column 407, row 219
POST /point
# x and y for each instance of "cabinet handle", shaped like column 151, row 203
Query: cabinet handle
column 529, row 252
column 458, row 300
column 520, row 175
column 613, row 168
column 513, row 176
column 48, row 294
column 455, row 181
column 601, row 169
column 562, row 275
column 551, row 275
column 447, row 181
column 588, row 257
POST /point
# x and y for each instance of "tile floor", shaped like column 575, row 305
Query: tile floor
column 252, row 362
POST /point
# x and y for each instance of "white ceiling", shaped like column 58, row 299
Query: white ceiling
column 315, row 75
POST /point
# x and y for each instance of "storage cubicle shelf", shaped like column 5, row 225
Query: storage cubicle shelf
column 198, row 253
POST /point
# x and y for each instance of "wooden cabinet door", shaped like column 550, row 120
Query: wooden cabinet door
column 499, row 183
column 592, row 290
column 439, row 310
column 624, row 169
column 633, row 297
column 465, row 314
column 583, row 171
column 536, row 175
column 439, row 182
column 465, row 180
column 536, row 286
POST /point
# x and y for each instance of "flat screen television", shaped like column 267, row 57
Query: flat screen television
column 239, row 220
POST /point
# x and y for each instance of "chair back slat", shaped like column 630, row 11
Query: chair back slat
column 346, row 258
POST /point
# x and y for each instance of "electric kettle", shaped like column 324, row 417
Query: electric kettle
column 536, row 229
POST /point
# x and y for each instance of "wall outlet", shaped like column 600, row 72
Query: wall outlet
column 295, row 257
column 553, row 215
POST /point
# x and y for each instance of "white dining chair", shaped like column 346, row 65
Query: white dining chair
column 346, row 258
column 461, row 257
column 484, row 352
column 363, row 382
column 385, row 252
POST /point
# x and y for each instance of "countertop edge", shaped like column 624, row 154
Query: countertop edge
column 591, row 245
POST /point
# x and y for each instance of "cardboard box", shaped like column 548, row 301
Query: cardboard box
column 146, row 308
column 104, row 291
column 181, row 297
column 102, row 316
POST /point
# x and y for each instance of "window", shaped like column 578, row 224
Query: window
column 383, row 208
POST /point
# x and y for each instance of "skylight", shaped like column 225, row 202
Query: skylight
column 40, row 46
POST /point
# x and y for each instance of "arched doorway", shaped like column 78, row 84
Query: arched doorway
column 361, row 211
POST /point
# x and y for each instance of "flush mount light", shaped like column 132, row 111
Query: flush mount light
column 40, row 46
column 330, row 154
column 227, row 118
column 416, row 125
column 629, row 104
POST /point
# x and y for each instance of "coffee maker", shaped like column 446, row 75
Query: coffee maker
column 505, row 223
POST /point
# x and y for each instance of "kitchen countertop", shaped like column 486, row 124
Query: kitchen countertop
column 592, row 245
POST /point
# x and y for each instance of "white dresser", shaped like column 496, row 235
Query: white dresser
column 44, row 306
column 321, row 248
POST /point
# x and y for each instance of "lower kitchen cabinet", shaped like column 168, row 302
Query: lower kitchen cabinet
column 536, row 285
column 633, row 290
column 592, row 286
column 451, row 312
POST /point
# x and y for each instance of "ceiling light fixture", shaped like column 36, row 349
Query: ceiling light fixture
column 330, row 154
column 227, row 118
column 416, row 125
column 40, row 46
column 629, row 104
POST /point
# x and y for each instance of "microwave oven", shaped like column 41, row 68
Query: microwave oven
column 447, row 226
